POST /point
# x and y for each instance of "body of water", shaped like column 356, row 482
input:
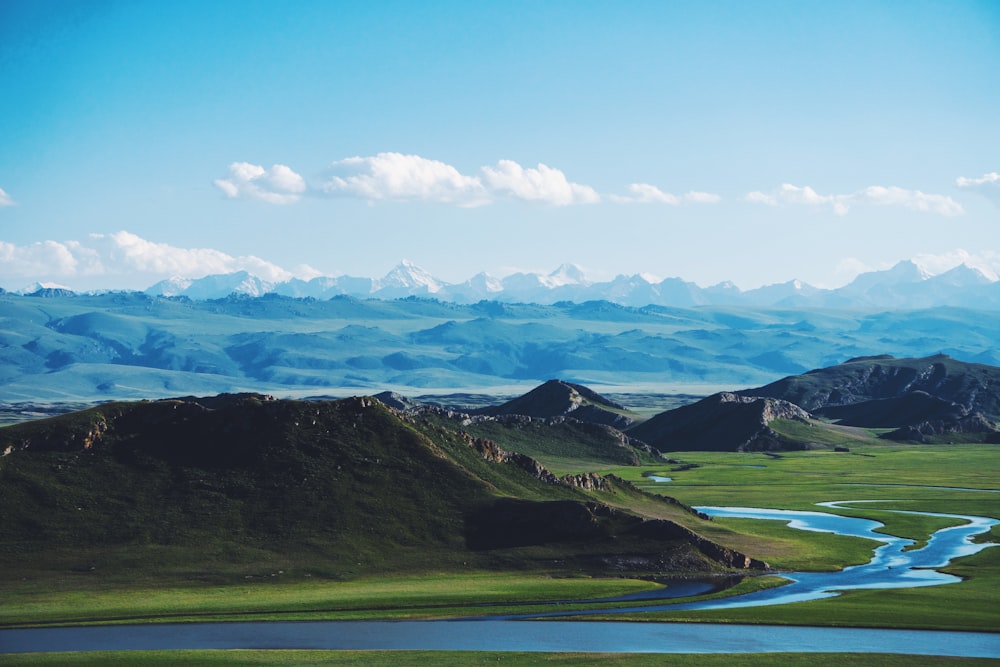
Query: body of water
column 494, row 635
column 890, row 567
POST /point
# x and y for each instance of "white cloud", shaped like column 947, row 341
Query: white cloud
column 405, row 177
column 45, row 258
column 393, row 176
column 644, row 193
column 987, row 185
column 696, row 197
column 5, row 199
column 126, row 258
column 990, row 179
column 758, row 197
column 913, row 199
column 542, row 183
column 875, row 195
column 279, row 185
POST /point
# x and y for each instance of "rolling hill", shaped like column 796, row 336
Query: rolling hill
column 213, row 488
column 722, row 422
column 557, row 398
column 975, row 387
column 925, row 399
column 61, row 347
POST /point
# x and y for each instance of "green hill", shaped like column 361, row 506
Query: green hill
column 976, row 387
column 924, row 400
column 557, row 398
column 722, row 422
column 214, row 488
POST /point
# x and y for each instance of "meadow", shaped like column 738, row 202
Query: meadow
column 927, row 478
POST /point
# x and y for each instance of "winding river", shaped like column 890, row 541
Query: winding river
column 890, row 567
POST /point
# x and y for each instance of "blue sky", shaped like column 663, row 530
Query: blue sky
column 748, row 141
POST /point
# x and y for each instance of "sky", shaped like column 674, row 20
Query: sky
column 754, row 142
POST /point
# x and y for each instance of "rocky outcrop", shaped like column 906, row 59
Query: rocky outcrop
column 492, row 452
column 588, row 481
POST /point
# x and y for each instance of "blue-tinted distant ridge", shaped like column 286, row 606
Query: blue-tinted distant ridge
column 904, row 286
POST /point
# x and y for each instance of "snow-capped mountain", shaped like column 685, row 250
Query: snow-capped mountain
column 210, row 287
column 36, row 287
column 904, row 286
column 408, row 279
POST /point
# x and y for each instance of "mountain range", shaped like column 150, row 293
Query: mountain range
column 931, row 399
column 62, row 347
column 904, row 286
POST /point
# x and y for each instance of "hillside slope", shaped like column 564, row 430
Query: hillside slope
column 557, row 398
column 722, row 422
column 975, row 387
column 924, row 400
column 339, row 487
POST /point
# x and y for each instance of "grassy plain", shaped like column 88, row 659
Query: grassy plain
column 901, row 477
column 897, row 475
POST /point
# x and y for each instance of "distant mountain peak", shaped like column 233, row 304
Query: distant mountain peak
column 909, row 269
column 41, row 286
column 965, row 275
column 905, row 286
column 568, row 274
column 408, row 275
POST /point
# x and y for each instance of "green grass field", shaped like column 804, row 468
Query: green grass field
column 921, row 478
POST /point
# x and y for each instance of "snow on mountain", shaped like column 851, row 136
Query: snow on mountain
column 904, row 272
column 408, row 278
column 216, row 286
column 174, row 286
column 41, row 286
column 567, row 274
column 964, row 275
column 904, row 286
column 477, row 288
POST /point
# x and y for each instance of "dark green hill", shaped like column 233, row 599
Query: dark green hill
column 910, row 408
column 929, row 399
column 975, row 387
column 557, row 398
column 214, row 487
column 721, row 422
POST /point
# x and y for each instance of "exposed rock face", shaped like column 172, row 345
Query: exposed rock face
column 396, row 401
column 721, row 422
column 491, row 451
column 589, row 481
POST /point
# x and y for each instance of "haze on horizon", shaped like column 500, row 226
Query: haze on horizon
column 717, row 141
